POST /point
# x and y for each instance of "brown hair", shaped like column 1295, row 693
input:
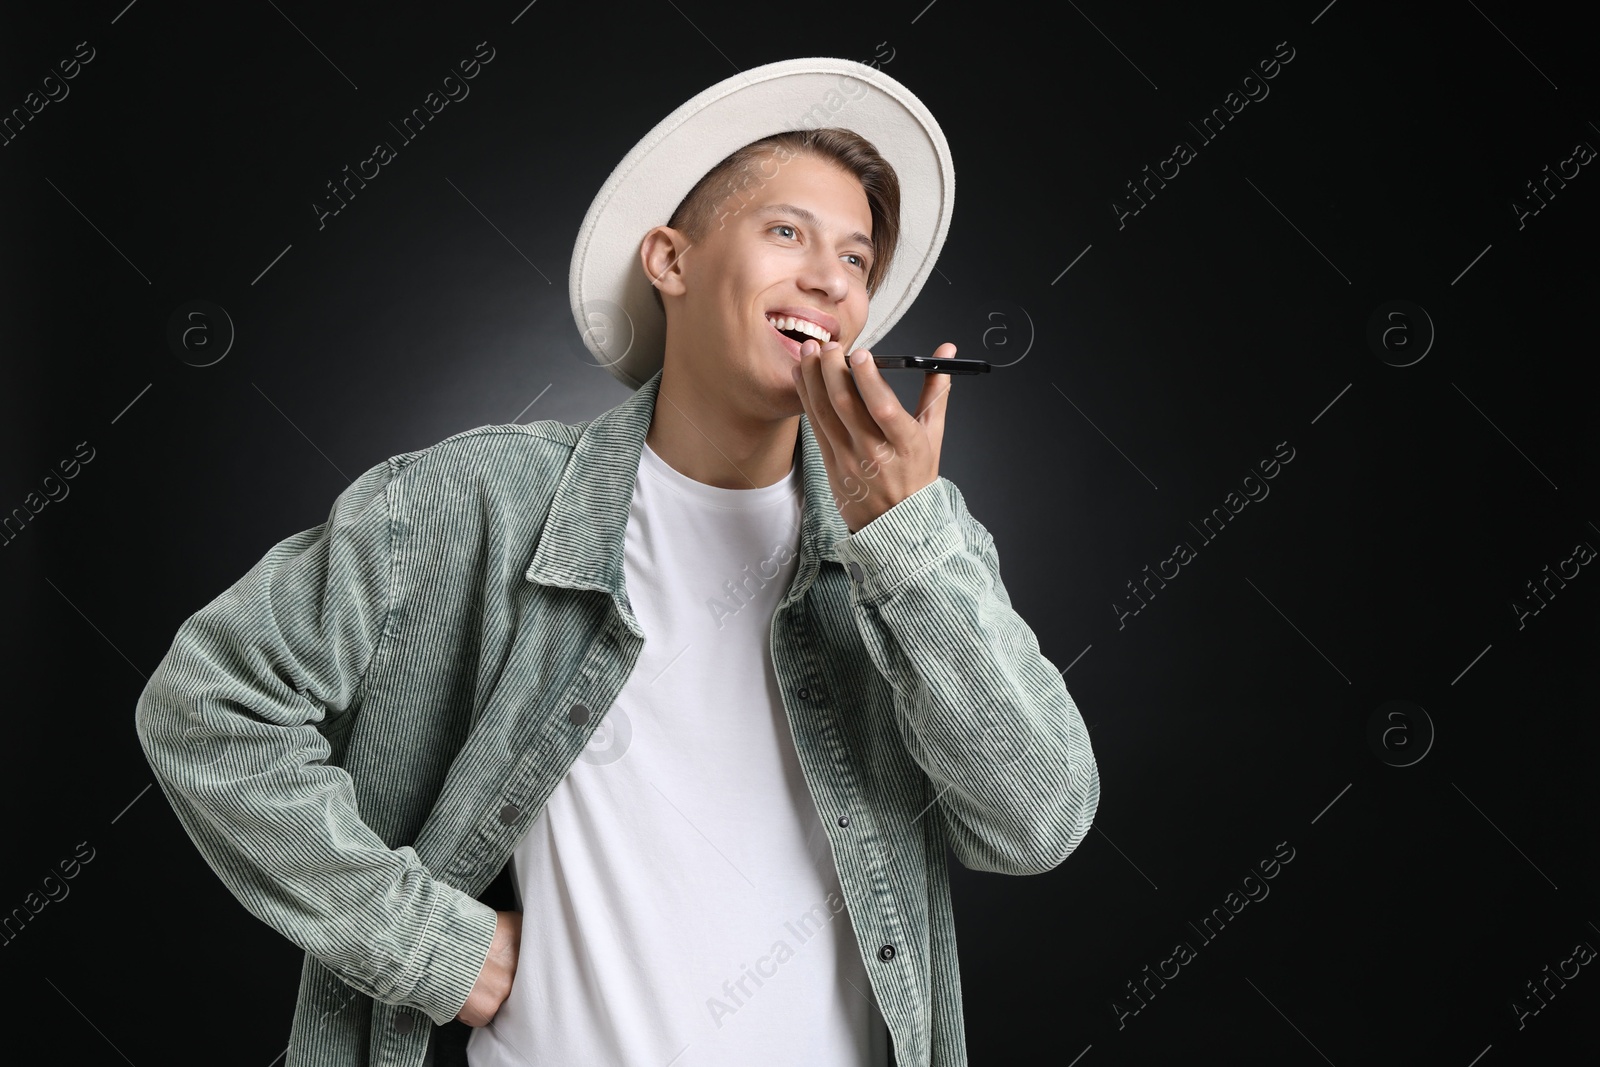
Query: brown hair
column 849, row 150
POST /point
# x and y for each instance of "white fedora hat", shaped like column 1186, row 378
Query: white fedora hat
column 611, row 294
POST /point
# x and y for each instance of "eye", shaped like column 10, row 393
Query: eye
column 860, row 261
column 782, row 226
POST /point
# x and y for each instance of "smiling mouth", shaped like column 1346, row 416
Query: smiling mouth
column 802, row 329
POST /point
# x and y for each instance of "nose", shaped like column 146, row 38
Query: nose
column 823, row 272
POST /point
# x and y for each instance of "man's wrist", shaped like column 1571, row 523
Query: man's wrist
column 460, row 938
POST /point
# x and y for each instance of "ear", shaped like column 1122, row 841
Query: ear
column 661, row 252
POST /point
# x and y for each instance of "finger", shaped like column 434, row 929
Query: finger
column 935, row 401
column 935, row 387
column 866, row 404
column 803, row 388
column 824, row 416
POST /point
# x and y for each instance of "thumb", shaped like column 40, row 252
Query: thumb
column 935, row 398
column 931, row 410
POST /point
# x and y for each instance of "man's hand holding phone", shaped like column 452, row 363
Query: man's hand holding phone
column 494, row 981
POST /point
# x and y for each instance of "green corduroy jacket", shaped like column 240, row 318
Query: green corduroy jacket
column 356, row 733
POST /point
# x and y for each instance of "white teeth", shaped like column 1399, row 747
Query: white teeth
column 810, row 329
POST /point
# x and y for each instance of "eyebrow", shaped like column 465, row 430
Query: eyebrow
column 815, row 223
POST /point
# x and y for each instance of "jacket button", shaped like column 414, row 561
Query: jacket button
column 805, row 694
column 403, row 1022
column 509, row 814
column 844, row 820
column 578, row 715
column 886, row 953
column 855, row 570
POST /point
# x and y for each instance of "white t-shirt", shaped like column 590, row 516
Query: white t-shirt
column 680, row 901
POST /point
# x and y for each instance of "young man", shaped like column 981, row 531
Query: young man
column 711, row 682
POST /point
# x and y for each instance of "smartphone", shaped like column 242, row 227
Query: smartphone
column 928, row 364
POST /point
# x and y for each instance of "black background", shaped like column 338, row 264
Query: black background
column 1142, row 384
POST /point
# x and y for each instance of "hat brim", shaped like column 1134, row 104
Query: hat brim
column 611, row 294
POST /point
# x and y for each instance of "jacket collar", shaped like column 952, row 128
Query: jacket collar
column 586, row 528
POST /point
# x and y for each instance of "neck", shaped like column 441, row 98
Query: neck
column 704, row 434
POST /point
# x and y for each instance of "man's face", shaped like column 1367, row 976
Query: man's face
column 794, row 244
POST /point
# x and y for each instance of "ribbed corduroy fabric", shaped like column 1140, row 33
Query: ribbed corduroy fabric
column 358, row 731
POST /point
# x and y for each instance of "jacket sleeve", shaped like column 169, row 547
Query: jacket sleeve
column 984, row 714
column 236, row 720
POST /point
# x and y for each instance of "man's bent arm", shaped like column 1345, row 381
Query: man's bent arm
column 982, row 711
column 232, row 722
